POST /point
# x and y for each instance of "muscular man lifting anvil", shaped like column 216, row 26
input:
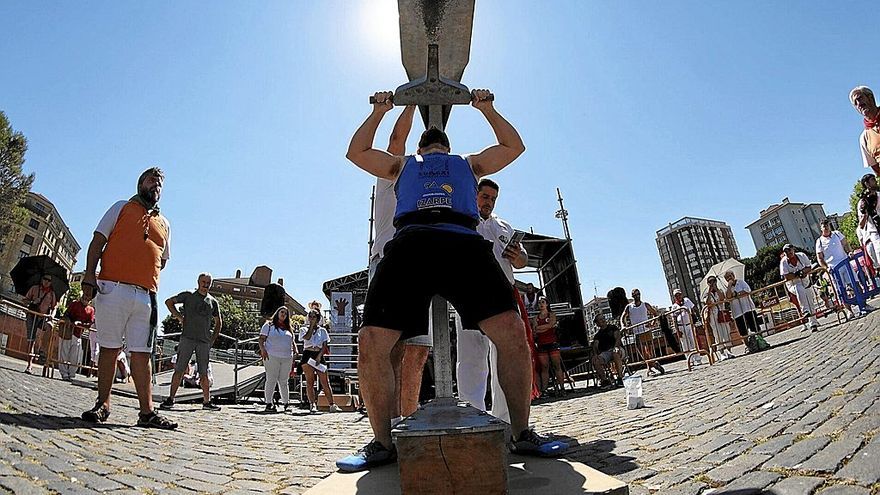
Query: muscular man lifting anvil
column 436, row 250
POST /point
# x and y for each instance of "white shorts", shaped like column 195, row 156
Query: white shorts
column 122, row 315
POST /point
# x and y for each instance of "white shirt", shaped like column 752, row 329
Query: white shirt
column 681, row 317
column 786, row 268
column 742, row 304
column 867, row 157
column 499, row 233
column 319, row 337
column 383, row 216
column 831, row 248
column 279, row 342
column 638, row 314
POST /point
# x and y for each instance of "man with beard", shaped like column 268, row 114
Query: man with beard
column 862, row 98
column 132, row 242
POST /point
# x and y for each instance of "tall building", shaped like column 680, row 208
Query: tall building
column 689, row 247
column 248, row 292
column 595, row 306
column 787, row 222
column 43, row 232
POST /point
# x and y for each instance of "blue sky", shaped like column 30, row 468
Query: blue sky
column 640, row 112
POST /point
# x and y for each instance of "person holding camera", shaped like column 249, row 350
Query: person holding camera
column 869, row 218
column 795, row 268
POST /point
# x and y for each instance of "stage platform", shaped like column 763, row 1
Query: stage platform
column 224, row 384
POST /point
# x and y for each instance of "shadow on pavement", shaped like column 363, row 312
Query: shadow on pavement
column 50, row 422
column 599, row 455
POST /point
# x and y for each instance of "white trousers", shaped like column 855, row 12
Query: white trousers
column 69, row 351
column 721, row 331
column 477, row 359
column 805, row 299
column 687, row 337
column 277, row 374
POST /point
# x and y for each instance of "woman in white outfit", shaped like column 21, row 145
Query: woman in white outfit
column 277, row 348
column 714, row 301
column 315, row 339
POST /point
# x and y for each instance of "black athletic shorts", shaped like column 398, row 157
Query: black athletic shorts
column 421, row 263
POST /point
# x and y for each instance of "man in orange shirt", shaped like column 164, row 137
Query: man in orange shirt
column 132, row 242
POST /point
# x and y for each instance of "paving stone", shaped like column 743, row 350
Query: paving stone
column 797, row 453
column 844, row 490
column 797, row 485
column 737, row 467
column 136, row 482
column 832, row 455
column 749, row 483
column 200, row 486
column 21, row 486
column 69, row 488
column 99, row 483
column 863, row 467
column 774, row 445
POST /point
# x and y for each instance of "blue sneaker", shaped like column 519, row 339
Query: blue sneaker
column 372, row 455
column 534, row 444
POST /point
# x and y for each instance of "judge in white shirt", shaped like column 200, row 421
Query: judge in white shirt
column 795, row 268
column 476, row 354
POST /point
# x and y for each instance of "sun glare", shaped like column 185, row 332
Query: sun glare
column 379, row 26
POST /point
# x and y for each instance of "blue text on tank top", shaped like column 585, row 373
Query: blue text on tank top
column 437, row 181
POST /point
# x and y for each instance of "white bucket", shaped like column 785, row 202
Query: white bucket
column 633, row 386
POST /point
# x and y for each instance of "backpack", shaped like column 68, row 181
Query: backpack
column 756, row 343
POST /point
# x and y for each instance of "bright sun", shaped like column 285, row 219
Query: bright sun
column 379, row 25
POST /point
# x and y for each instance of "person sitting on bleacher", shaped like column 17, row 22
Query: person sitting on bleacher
column 607, row 350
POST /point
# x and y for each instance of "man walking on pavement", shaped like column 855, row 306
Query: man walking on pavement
column 132, row 243
column 201, row 313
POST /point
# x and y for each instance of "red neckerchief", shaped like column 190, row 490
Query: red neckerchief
column 870, row 123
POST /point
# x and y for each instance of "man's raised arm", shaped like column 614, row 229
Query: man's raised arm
column 510, row 145
column 361, row 152
column 397, row 141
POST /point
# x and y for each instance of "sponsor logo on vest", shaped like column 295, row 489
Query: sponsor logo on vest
column 430, row 174
column 434, row 202
column 447, row 188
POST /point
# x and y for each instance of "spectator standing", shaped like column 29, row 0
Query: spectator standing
column 637, row 313
column 277, row 348
column 742, row 308
column 868, row 209
column 795, row 268
column 133, row 243
column 547, row 346
column 40, row 299
column 683, row 309
column 862, row 99
column 201, row 323
column 79, row 315
column 530, row 298
column 832, row 249
column 315, row 338
column 718, row 318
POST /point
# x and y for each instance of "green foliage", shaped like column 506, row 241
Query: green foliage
column 73, row 294
column 849, row 224
column 762, row 269
column 14, row 184
column 171, row 325
column 237, row 321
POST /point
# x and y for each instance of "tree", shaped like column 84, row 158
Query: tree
column 171, row 325
column 237, row 322
column 14, row 184
column 848, row 225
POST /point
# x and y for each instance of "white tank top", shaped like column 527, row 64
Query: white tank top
column 638, row 314
column 383, row 216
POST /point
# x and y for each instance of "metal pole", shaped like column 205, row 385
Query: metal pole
column 235, row 372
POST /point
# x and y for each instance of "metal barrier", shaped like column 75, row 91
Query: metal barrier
column 644, row 344
column 776, row 310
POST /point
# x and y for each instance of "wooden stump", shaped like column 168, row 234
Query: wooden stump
column 449, row 447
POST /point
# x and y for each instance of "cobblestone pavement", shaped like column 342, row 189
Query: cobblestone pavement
column 800, row 418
